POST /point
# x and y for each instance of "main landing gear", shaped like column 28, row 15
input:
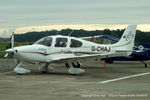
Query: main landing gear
column 144, row 64
column 46, row 68
column 74, row 68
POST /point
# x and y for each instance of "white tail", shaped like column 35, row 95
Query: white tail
column 126, row 42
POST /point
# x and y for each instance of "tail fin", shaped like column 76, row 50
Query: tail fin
column 145, row 47
column 126, row 42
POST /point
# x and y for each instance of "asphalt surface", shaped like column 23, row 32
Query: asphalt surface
column 119, row 81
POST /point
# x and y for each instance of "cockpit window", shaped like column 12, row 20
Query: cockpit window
column 47, row 41
column 61, row 42
column 75, row 43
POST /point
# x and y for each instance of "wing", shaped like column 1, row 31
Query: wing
column 79, row 57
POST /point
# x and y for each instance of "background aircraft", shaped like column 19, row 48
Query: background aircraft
column 142, row 56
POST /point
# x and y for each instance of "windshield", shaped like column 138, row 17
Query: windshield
column 47, row 41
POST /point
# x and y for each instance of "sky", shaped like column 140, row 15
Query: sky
column 36, row 15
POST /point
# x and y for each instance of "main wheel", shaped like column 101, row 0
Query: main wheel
column 76, row 65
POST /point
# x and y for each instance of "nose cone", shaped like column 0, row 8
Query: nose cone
column 9, row 50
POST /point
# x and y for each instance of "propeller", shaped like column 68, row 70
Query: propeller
column 11, row 50
column 6, row 55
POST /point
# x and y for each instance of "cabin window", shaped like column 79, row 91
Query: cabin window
column 61, row 42
column 75, row 43
column 47, row 41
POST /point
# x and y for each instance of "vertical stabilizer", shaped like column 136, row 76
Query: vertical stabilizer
column 126, row 42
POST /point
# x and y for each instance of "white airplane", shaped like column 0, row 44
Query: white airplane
column 68, row 50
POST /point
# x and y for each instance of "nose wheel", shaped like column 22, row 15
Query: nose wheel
column 20, row 70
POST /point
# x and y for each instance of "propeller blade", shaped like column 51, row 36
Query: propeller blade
column 12, row 40
column 6, row 55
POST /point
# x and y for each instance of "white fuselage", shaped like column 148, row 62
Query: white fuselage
column 42, row 53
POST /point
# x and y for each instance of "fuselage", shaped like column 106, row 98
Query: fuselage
column 53, row 48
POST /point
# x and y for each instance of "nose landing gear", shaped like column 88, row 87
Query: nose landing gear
column 20, row 70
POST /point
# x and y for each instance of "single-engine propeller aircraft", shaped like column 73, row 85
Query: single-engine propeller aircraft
column 68, row 50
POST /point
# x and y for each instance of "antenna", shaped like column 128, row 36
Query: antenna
column 57, row 32
column 70, row 33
